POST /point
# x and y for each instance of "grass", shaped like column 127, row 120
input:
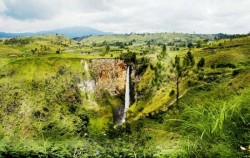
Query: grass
column 218, row 125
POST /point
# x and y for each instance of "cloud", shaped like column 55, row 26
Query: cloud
column 31, row 9
column 2, row 7
column 91, row 5
column 206, row 16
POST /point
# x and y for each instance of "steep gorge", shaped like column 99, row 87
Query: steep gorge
column 105, row 80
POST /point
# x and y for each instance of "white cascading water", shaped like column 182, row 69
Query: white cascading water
column 127, row 96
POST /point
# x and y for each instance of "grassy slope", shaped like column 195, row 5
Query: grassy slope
column 231, row 53
column 141, row 38
column 218, row 87
column 22, row 71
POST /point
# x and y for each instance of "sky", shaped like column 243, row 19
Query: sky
column 125, row 16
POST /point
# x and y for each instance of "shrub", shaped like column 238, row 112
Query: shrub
column 140, row 109
column 129, row 57
column 172, row 93
column 236, row 72
column 228, row 65
column 200, row 76
column 141, row 65
column 201, row 63
column 220, row 45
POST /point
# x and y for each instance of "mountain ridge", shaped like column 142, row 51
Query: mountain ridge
column 72, row 32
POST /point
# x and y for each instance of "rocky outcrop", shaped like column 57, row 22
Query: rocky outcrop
column 102, row 76
column 110, row 75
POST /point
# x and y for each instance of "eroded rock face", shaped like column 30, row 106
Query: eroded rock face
column 110, row 75
column 87, row 84
column 102, row 76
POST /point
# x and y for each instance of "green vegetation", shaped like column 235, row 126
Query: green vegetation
column 181, row 71
column 44, row 113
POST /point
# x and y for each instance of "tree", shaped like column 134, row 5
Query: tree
column 164, row 51
column 33, row 51
column 199, row 43
column 201, row 63
column 158, row 76
column 188, row 60
column 107, row 48
column 129, row 57
column 190, row 45
column 159, row 68
column 162, row 54
column 58, row 51
column 181, row 70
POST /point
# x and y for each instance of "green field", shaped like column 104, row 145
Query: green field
column 43, row 113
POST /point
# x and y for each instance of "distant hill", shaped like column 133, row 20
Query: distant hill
column 72, row 32
column 10, row 35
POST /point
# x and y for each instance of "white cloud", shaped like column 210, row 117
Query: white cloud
column 31, row 9
column 2, row 7
column 206, row 16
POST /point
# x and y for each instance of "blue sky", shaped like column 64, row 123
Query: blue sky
column 124, row 16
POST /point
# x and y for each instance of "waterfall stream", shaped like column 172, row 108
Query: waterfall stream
column 127, row 97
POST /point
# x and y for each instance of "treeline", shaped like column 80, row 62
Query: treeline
column 42, row 50
column 116, row 44
column 17, row 41
column 226, row 36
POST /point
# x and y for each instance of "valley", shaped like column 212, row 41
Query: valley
column 187, row 95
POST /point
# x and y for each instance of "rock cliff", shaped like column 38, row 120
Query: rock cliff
column 109, row 75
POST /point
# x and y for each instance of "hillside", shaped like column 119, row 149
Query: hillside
column 62, row 98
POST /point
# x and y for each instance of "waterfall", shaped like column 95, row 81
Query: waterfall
column 127, row 97
column 127, row 92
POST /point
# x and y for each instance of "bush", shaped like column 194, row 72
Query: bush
column 211, row 78
column 236, row 72
column 140, row 109
column 201, row 76
column 220, row 45
column 17, row 41
column 118, row 131
column 141, row 65
column 129, row 57
column 172, row 93
column 228, row 65
column 201, row 63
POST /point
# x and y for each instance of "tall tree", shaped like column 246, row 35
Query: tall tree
column 181, row 70
column 164, row 51
column 107, row 48
column 201, row 63
column 159, row 68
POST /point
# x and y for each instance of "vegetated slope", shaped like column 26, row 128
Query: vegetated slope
column 40, row 99
column 213, row 116
column 220, row 62
column 147, row 38
column 44, row 113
